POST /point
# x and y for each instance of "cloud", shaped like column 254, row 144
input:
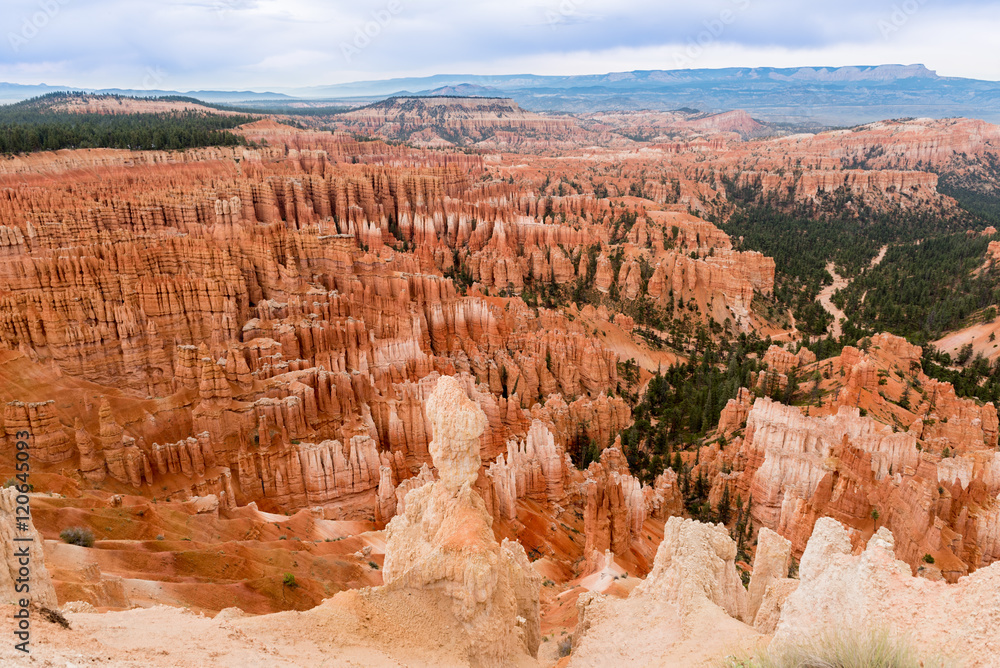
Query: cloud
column 238, row 44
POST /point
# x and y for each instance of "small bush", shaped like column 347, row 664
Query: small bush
column 373, row 565
column 159, row 537
column 565, row 647
column 844, row 649
column 928, row 559
column 78, row 536
column 289, row 581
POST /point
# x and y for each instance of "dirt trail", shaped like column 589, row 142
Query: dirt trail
column 878, row 258
column 824, row 299
column 840, row 282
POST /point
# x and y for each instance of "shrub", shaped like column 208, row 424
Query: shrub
column 373, row 565
column 843, row 649
column 289, row 581
column 565, row 647
column 159, row 537
column 928, row 559
column 78, row 536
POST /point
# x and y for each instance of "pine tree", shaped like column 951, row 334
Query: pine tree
column 701, row 486
column 724, row 511
column 791, row 387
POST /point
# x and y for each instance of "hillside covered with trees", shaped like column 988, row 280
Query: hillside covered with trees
column 36, row 125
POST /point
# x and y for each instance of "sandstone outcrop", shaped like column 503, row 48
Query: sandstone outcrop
column 274, row 326
column 615, row 504
column 770, row 568
column 925, row 471
column 536, row 468
column 797, row 469
column 41, row 592
column 694, row 585
column 442, row 541
column 49, row 441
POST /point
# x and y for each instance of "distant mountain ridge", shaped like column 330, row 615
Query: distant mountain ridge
column 844, row 96
column 506, row 82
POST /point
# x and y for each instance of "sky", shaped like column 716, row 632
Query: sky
column 283, row 44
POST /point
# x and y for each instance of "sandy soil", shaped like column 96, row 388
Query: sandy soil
column 166, row 637
column 626, row 346
column 977, row 335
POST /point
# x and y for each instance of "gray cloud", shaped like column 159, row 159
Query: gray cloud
column 270, row 43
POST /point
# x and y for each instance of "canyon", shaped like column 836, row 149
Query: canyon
column 328, row 378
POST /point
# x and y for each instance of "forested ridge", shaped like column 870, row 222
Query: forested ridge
column 803, row 237
column 922, row 290
column 33, row 125
column 934, row 278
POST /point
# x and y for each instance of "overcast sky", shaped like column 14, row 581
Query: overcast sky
column 272, row 44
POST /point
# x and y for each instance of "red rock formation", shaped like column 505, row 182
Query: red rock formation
column 797, row 469
column 535, row 468
column 470, row 118
column 92, row 464
column 49, row 442
column 615, row 504
column 734, row 415
column 442, row 541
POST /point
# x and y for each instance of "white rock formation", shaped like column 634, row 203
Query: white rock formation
column 770, row 564
column 840, row 592
column 442, row 542
column 687, row 612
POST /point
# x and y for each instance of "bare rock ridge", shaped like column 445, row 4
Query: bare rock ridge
column 691, row 608
column 845, row 591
